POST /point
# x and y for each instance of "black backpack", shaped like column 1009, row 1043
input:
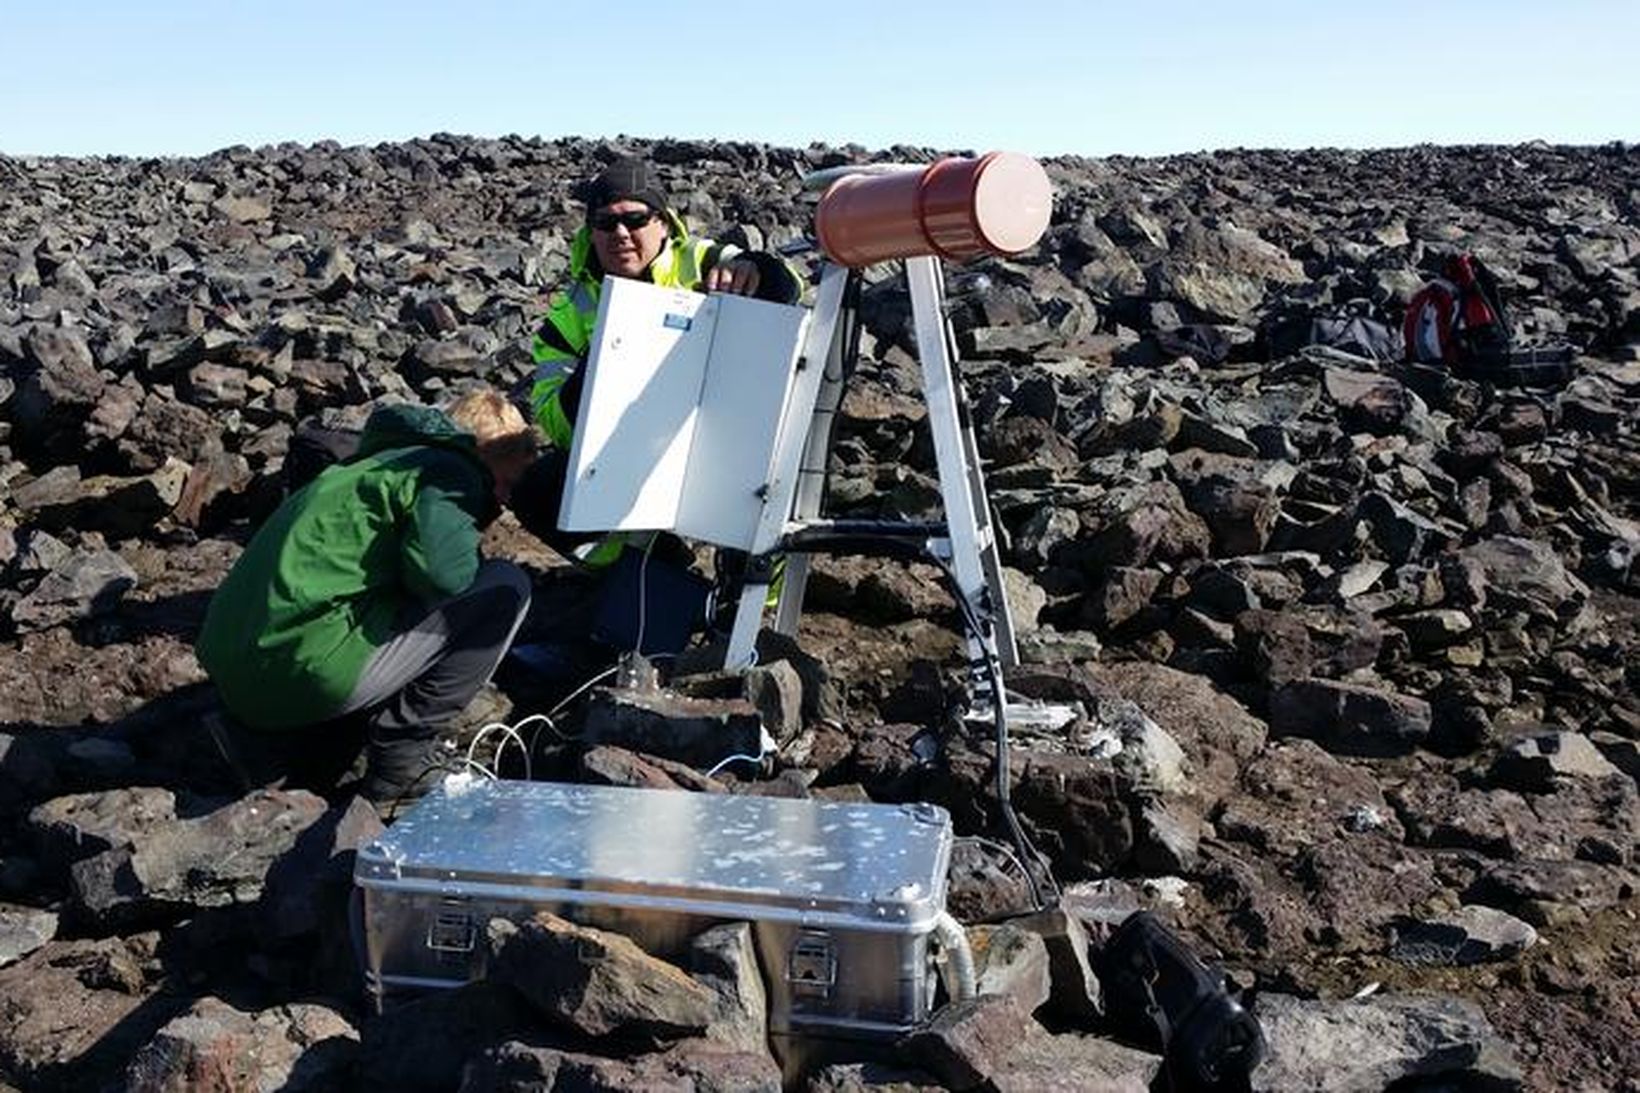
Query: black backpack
column 314, row 447
column 1161, row 996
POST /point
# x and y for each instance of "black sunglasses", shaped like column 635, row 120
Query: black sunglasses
column 632, row 220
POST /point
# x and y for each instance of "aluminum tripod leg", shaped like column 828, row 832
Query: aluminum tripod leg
column 811, row 477
column 990, row 552
column 794, row 497
column 974, row 561
column 781, row 481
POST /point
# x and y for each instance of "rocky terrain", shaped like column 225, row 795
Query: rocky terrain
column 1368, row 633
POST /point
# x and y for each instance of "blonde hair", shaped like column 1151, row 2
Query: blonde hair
column 501, row 430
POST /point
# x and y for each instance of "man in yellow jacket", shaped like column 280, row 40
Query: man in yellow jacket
column 630, row 231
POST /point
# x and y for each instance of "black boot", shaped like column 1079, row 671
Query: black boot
column 401, row 769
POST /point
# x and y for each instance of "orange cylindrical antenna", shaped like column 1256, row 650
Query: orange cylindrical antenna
column 955, row 208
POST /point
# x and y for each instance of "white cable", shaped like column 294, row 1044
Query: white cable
column 472, row 745
column 725, row 762
column 518, row 726
column 643, row 592
column 958, row 957
column 588, row 685
column 508, row 734
column 546, row 723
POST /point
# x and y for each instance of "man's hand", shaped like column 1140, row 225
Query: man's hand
column 738, row 277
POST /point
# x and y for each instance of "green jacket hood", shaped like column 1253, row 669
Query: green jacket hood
column 405, row 425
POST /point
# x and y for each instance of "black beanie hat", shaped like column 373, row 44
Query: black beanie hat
column 627, row 179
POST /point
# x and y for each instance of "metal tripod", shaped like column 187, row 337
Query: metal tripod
column 963, row 543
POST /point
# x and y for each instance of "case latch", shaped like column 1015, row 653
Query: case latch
column 812, row 968
column 452, row 930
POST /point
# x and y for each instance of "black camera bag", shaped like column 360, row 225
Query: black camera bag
column 1161, row 996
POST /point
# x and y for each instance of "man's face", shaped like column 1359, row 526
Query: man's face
column 626, row 251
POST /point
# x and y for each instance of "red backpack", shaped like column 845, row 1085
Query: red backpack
column 1458, row 318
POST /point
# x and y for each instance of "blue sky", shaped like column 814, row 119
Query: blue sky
column 151, row 77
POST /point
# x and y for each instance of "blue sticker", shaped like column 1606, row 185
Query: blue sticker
column 674, row 321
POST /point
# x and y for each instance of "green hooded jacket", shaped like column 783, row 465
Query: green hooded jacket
column 345, row 564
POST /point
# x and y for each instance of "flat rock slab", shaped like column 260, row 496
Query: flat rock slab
column 1534, row 763
column 1470, row 935
column 23, row 930
column 1522, row 574
column 696, row 731
column 178, row 865
column 1366, row 1046
column 1072, row 1063
column 1348, row 718
column 89, row 583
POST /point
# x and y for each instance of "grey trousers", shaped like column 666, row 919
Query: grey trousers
column 409, row 689
column 425, row 675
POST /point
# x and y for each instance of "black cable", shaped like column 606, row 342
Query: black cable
column 1028, row 854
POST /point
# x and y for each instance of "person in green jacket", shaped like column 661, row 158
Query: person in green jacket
column 630, row 231
column 361, row 614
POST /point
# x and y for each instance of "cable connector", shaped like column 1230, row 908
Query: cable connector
column 458, row 782
column 635, row 672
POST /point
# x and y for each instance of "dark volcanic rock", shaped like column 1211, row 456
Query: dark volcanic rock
column 86, row 584
column 724, row 960
column 215, row 1048
column 518, row 1067
column 305, row 907
column 1009, row 959
column 597, row 982
column 136, row 865
column 1070, row 1062
column 1374, row 1043
column 1349, row 718
column 58, row 392
column 967, row 1043
column 425, row 1044
column 76, row 1011
column 871, row 1078
column 1424, row 579
column 1536, row 763
column 23, row 930
column 1469, row 935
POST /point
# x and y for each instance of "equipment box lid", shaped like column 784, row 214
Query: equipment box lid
column 762, row 858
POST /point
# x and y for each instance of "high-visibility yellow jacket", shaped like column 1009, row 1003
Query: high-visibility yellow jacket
column 565, row 335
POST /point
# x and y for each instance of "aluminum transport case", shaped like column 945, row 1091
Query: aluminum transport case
column 842, row 897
